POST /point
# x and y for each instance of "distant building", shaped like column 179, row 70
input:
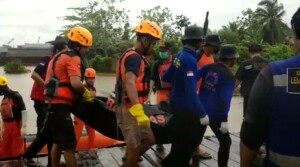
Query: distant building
column 35, row 46
column 29, row 54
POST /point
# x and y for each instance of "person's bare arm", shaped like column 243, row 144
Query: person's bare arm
column 77, row 84
column 131, row 88
column 247, row 155
column 37, row 78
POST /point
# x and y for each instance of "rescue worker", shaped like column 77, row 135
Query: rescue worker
column 38, row 75
column 248, row 71
column 211, row 46
column 63, row 83
column 160, row 66
column 14, row 117
column 37, row 95
column 273, row 111
column 189, row 116
column 157, row 85
column 90, row 75
column 132, row 88
column 216, row 92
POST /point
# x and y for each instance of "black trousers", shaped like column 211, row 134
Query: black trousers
column 41, row 114
column 186, row 133
column 224, row 140
column 42, row 138
column 245, row 104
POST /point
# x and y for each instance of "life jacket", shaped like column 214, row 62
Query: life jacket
column 37, row 91
column 203, row 60
column 283, row 125
column 162, row 68
column 141, row 82
column 64, row 89
column 8, row 110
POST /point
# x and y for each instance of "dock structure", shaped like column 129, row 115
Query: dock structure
column 112, row 157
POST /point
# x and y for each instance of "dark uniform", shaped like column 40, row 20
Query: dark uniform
column 273, row 113
column 216, row 93
column 247, row 73
column 187, row 109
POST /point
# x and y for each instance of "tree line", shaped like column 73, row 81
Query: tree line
column 112, row 31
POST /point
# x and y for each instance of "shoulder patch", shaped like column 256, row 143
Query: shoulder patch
column 293, row 77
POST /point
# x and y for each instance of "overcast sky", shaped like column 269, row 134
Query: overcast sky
column 27, row 20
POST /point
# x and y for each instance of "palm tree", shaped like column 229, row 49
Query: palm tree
column 269, row 15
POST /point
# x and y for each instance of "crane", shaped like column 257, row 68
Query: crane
column 10, row 41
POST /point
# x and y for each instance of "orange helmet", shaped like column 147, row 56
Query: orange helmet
column 80, row 35
column 90, row 73
column 148, row 27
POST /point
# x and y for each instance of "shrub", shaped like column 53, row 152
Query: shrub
column 277, row 52
column 15, row 67
column 104, row 64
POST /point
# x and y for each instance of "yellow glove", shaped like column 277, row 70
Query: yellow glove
column 138, row 112
column 87, row 97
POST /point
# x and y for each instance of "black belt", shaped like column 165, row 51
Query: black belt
column 10, row 120
column 65, row 84
column 143, row 93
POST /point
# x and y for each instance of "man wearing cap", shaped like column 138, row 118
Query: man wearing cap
column 210, row 47
column 38, row 75
column 157, row 85
column 216, row 92
column 37, row 95
column 189, row 115
column 248, row 71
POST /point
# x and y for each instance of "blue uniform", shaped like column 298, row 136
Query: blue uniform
column 215, row 94
column 216, row 90
column 274, row 113
column 183, row 75
column 185, row 125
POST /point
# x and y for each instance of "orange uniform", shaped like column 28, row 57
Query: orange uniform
column 204, row 60
column 11, row 107
column 59, row 121
column 65, row 67
column 162, row 88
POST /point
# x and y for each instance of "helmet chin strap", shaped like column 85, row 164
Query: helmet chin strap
column 145, row 51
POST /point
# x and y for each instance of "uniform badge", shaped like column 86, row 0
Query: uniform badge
column 293, row 75
column 190, row 73
column 210, row 81
column 176, row 62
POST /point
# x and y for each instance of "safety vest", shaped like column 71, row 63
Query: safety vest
column 37, row 91
column 283, row 141
column 141, row 82
column 204, row 60
column 7, row 110
column 162, row 68
column 64, row 89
